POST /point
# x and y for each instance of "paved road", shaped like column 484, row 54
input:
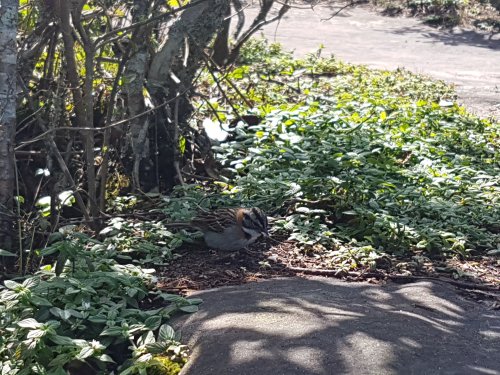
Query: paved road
column 328, row 327
column 466, row 58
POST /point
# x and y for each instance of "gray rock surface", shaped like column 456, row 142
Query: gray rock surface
column 326, row 326
column 467, row 58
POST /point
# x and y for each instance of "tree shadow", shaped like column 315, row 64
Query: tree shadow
column 324, row 326
column 455, row 37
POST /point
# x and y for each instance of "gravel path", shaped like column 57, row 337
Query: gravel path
column 466, row 58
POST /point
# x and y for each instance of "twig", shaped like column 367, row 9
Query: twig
column 99, row 42
column 351, row 4
column 121, row 122
column 57, row 155
column 176, row 140
column 19, row 227
column 307, row 201
column 238, row 12
column 219, row 86
column 296, row 90
column 257, row 25
column 333, row 273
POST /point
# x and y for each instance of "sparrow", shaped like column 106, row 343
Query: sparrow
column 230, row 229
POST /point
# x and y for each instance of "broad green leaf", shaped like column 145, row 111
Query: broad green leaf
column 166, row 333
column 12, row 284
column 29, row 323
column 189, row 308
column 153, row 322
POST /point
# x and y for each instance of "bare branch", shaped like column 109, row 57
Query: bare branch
column 104, row 39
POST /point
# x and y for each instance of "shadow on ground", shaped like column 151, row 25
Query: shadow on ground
column 456, row 37
column 324, row 326
column 358, row 35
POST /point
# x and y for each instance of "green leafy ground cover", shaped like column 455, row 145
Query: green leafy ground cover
column 351, row 163
column 351, row 158
column 90, row 311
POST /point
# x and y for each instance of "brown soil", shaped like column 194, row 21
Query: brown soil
column 198, row 268
column 201, row 268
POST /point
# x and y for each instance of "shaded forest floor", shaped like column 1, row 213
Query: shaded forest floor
column 197, row 268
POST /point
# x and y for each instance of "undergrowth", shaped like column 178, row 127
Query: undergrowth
column 89, row 311
column 351, row 163
column 353, row 158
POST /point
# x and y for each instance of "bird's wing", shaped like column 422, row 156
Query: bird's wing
column 216, row 220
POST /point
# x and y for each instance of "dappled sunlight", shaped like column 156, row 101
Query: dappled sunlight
column 410, row 342
column 417, row 316
column 337, row 326
column 440, row 305
column 377, row 294
column 256, row 349
column 483, row 370
column 357, row 348
column 490, row 334
column 304, row 358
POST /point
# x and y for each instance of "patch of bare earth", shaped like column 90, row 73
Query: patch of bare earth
column 198, row 268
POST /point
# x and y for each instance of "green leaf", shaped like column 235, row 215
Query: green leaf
column 61, row 262
column 113, row 331
column 61, row 340
column 12, row 285
column 36, row 333
column 40, row 301
column 146, row 338
column 5, row 253
column 189, row 308
column 194, row 301
column 105, row 358
column 61, row 360
column 31, row 282
column 57, row 371
column 63, row 314
column 153, row 322
column 86, row 352
column 166, row 333
column 29, row 323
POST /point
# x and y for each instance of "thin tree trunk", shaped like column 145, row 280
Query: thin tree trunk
column 83, row 101
column 134, row 78
column 171, row 75
column 8, row 59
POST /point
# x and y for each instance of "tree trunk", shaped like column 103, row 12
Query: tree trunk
column 8, row 59
column 136, row 161
column 171, row 75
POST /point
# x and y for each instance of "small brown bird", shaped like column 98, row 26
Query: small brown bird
column 230, row 229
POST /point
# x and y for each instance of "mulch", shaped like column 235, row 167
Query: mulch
column 198, row 268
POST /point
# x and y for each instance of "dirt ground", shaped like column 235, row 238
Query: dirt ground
column 199, row 268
